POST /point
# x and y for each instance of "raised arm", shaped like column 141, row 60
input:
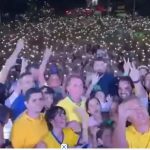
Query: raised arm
column 94, row 79
column 10, row 62
column 135, row 76
column 47, row 54
column 9, row 101
column 24, row 65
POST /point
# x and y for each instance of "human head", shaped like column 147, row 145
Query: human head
column 100, row 65
column 93, row 106
column 48, row 96
column 75, row 126
column 34, row 101
column 74, row 87
column 104, row 135
column 137, row 114
column 147, row 81
column 125, row 87
column 26, row 81
column 56, row 117
column 54, row 81
column 143, row 70
column 100, row 95
column 4, row 114
column 33, row 69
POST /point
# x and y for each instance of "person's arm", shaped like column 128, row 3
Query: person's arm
column 94, row 79
column 135, row 76
column 126, row 67
column 47, row 54
column 119, row 134
column 84, row 118
column 93, row 131
column 11, row 61
column 9, row 101
column 24, row 65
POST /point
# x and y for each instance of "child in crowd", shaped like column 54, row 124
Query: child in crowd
column 105, row 101
column 93, row 109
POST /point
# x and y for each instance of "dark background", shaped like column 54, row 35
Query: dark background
column 20, row 6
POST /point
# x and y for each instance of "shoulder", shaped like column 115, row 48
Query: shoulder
column 69, row 132
column 20, row 119
column 130, row 131
column 63, row 101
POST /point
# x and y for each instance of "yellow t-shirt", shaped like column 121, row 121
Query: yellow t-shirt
column 137, row 140
column 27, row 132
column 70, row 107
column 69, row 137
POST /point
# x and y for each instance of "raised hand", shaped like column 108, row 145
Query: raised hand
column 48, row 52
column 109, row 98
column 95, row 79
column 126, row 66
column 12, row 59
column 24, row 65
column 134, row 72
column 20, row 45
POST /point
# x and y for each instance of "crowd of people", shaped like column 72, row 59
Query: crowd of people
column 83, row 81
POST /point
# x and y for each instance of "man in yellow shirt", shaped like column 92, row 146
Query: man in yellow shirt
column 137, row 135
column 73, row 101
column 30, row 127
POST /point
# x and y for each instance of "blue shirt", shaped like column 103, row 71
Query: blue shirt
column 18, row 106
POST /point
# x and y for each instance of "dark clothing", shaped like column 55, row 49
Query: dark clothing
column 108, row 84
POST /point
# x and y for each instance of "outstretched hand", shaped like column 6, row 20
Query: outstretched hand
column 126, row 66
column 134, row 72
column 20, row 45
column 95, row 79
column 48, row 52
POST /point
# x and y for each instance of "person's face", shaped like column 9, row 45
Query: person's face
column 48, row 98
column 100, row 95
column 100, row 66
column 54, row 81
column 60, row 120
column 138, row 114
column 75, row 87
column 34, row 73
column 93, row 106
column 125, row 89
column 107, row 138
column 27, row 82
column 147, row 82
column 143, row 72
column 36, row 103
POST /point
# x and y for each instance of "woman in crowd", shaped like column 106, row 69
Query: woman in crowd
column 58, row 132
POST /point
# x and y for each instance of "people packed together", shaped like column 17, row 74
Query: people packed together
column 91, row 111
column 58, row 88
